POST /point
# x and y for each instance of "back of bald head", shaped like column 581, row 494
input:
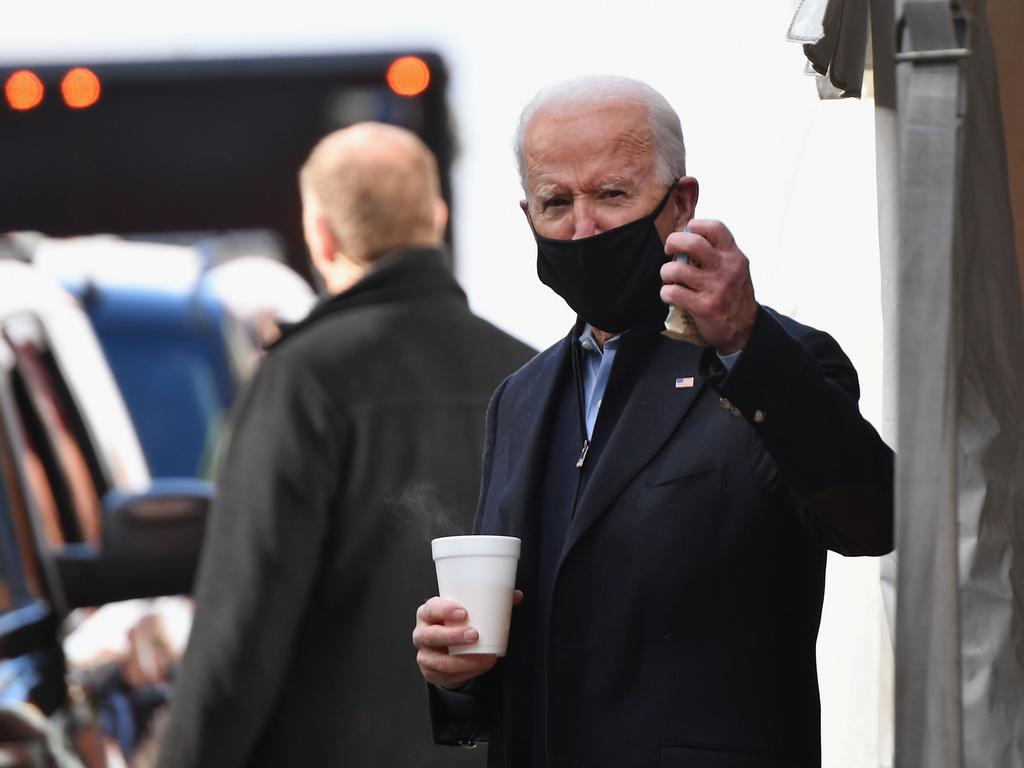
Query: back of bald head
column 377, row 187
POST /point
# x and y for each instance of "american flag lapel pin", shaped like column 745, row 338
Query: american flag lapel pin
column 684, row 382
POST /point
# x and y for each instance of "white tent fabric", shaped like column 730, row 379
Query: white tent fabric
column 834, row 34
column 955, row 319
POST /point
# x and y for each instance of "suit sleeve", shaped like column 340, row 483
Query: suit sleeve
column 462, row 717
column 799, row 392
column 259, row 561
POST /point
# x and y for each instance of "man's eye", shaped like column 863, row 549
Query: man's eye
column 612, row 193
column 556, row 202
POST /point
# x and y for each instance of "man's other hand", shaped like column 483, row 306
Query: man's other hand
column 713, row 286
column 432, row 638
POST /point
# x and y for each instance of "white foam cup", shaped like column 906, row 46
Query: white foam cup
column 480, row 573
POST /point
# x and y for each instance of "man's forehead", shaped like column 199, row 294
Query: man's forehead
column 615, row 121
column 608, row 140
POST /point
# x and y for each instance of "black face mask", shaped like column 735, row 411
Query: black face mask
column 613, row 279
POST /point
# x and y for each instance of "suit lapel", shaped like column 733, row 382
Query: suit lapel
column 653, row 409
column 527, row 452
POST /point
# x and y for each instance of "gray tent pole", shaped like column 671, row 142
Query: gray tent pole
column 927, row 707
column 881, row 16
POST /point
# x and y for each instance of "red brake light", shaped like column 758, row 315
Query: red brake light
column 408, row 76
column 24, row 90
column 80, row 88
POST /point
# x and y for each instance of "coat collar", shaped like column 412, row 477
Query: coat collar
column 405, row 274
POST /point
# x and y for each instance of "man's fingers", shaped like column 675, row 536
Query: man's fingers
column 438, row 610
column 712, row 230
column 715, row 290
column 440, row 636
column 701, row 253
column 685, row 299
column 686, row 275
column 432, row 638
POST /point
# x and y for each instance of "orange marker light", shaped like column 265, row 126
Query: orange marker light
column 80, row 88
column 24, row 90
column 408, row 76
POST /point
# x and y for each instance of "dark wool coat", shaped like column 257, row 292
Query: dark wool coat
column 687, row 595
column 358, row 440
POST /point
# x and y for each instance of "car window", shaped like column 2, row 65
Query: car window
column 178, row 389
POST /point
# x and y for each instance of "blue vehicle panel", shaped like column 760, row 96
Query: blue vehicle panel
column 169, row 354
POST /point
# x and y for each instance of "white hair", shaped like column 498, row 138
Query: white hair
column 666, row 132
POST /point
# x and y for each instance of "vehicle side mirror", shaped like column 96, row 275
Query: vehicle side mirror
column 150, row 546
column 166, row 521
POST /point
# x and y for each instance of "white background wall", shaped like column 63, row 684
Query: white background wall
column 791, row 176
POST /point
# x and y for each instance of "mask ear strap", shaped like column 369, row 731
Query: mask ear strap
column 664, row 201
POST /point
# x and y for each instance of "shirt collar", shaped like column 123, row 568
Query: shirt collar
column 589, row 343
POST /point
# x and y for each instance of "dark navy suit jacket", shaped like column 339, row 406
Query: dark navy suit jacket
column 686, row 601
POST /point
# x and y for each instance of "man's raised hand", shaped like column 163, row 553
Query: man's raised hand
column 714, row 286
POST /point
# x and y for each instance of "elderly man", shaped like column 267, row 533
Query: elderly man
column 357, row 439
column 675, row 500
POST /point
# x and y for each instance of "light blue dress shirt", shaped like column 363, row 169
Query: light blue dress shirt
column 597, row 368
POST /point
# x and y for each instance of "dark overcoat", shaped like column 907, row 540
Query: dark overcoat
column 357, row 441
column 687, row 596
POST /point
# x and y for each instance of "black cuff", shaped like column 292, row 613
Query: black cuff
column 454, row 715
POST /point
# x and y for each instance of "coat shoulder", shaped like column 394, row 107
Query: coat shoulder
column 793, row 327
column 542, row 366
column 431, row 348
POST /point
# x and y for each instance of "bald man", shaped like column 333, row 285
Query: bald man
column 357, row 441
column 675, row 500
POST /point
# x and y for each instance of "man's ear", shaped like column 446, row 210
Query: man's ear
column 331, row 246
column 684, row 195
column 440, row 218
column 320, row 240
column 525, row 206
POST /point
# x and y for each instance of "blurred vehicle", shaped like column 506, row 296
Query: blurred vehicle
column 198, row 145
column 82, row 524
column 174, row 147
column 181, row 331
column 181, row 327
